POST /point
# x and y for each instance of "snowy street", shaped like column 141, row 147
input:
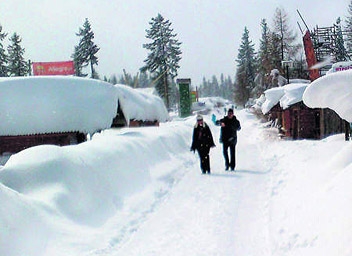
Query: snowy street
column 284, row 198
column 209, row 214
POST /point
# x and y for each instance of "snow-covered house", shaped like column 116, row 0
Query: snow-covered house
column 333, row 91
column 296, row 120
column 53, row 110
column 63, row 110
column 139, row 107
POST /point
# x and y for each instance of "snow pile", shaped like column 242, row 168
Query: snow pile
column 31, row 105
column 272, row 97
column 207, row 104
column 286, row 95
column 83, row 185
column 332, row 91
column 141, row 105
column 293, row 93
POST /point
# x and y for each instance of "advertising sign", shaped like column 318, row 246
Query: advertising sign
column 193, row 96
column 341, row 66
column 53, row 68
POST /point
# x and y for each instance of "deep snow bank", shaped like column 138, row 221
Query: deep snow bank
column 84, row 184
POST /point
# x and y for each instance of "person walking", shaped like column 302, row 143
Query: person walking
column 202, row 141
column 228, row 137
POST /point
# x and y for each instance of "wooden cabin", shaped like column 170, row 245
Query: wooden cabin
column 301, row 122
column 138, row 108
column 61, row 110
column 17, row 143
column 57, row 110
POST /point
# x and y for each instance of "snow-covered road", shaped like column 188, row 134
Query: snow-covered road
column 140, row 192
column 225, row 213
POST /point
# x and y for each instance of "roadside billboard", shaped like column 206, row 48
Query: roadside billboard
column 53, row 68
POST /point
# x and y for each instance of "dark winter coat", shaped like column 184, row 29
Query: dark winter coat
column 202, row 138
column 229, row 132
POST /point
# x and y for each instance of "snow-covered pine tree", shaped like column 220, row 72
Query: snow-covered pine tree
column 341, row 53
column 3, row 55
column 163, row 57
column 348, row 29
column 17, row 65
column 246, row 70
column 78, row 62
column 86, row 50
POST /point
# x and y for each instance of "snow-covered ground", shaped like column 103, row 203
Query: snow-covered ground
column 140, row 192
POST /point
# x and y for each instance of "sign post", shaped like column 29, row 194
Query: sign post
column 185, row 99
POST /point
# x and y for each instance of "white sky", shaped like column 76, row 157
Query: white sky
column 210, row 31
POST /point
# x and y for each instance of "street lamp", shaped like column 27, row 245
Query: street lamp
column 286, row 64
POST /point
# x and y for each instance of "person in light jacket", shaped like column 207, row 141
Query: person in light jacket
column 202, row 141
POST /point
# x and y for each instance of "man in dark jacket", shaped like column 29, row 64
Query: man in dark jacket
column 202, row 141
column 228, row 137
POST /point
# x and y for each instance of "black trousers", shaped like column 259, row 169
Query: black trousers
column 204, row 159
column 230, row 162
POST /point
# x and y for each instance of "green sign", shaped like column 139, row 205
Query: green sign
column 185, row 100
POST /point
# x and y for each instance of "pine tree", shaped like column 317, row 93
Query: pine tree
column 17, row 66
column 113, row 79
column 163, row 57
column 3, row 56
column 341, row 53
column 246, row 70
column 348, row 28
column 275, row 54
column 78, row 62
column 144, row 80
column 264, row 59
column 85, row 53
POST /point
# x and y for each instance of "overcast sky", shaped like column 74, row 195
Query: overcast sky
column 210, row 31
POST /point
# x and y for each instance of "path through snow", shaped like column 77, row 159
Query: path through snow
column 219, row 214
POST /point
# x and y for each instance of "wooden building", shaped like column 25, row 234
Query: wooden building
column 57, row 110
column 301, row 122
column 17, row 143
column 61, row 110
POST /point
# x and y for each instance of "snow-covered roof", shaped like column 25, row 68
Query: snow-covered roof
column 287, row 96
column 272, row 97
column 293, row 93
column 141, row 105
column 32, row 105
column 50, row 104
column 332, row 91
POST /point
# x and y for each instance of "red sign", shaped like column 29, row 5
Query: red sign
column 310, row 56
column 53, row 68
